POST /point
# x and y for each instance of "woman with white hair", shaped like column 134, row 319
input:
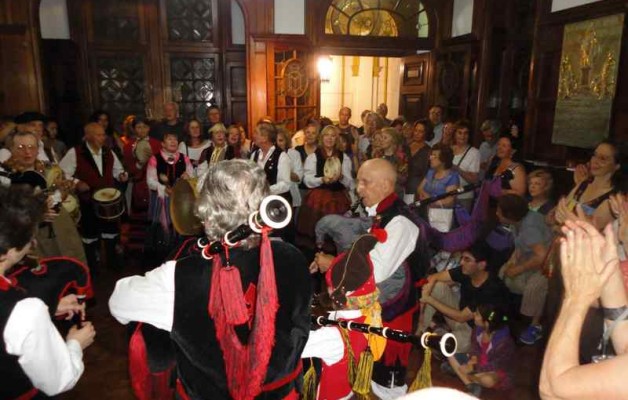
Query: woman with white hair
column 238, row 320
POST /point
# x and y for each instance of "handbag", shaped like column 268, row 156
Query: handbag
column 441, row 219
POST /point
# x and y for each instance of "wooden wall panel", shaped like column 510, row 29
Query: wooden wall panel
column 541, row 102
column 21, row 88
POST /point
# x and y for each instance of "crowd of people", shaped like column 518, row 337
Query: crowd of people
column 403, row 224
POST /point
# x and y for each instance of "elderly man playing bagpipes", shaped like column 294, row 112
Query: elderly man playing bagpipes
column 238, row 310
column 398, row 260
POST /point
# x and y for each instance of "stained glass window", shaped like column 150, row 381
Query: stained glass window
column 189, row 20
column 121, row 85
column 193, row 85
column 387, row 18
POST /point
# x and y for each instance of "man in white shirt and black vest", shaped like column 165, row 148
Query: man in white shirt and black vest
column 95, row 167
column 398, row 262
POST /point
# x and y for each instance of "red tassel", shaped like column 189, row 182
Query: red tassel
column 245, row 365
column 235, row 309
column 227, row 285
column 138, row 365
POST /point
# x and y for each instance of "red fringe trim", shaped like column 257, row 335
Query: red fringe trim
column 246, row 365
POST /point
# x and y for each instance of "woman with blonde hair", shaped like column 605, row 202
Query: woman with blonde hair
column 327, row 173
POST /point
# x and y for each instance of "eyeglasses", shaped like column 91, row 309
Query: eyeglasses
column 22, row 147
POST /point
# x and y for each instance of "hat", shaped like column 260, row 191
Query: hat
column 30, row 116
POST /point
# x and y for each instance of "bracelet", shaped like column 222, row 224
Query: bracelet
column 613, row 314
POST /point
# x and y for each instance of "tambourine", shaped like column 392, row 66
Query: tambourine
column 332, row 168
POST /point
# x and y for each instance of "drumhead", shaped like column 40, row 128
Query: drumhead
column 107, row 194
column 332, row 167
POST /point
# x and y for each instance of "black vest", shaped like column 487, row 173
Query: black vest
column 418, row 261
column 200, row 364
column 16, row 383
column 320, row 171
column 271, row 168
column 174, row 171
column 206, row 155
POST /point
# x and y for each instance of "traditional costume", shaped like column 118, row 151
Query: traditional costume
column 28, row 299
column 163, row 171
column 347, row 355
column 212, row 155
column 243, row 343
column 98, row 169
column 323, row 198
column 137, row 152
column 398, row 262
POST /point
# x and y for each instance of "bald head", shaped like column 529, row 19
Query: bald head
column 95, row 135
column 376, row 181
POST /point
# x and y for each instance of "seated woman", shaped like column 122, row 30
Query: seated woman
column 489, row 364
column 440, row 179
column 164, row 169
column 592, row 194
column 328, row 191
column 540, row 186
column 194, row 144
column 502, row 162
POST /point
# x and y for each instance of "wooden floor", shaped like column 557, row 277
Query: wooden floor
column 106, row 375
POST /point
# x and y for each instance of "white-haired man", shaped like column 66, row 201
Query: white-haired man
column 248, row 341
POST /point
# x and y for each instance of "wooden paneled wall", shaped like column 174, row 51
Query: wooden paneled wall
column 548, row 37
column 21, row 86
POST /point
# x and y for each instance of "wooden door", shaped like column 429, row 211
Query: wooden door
column 413, row 90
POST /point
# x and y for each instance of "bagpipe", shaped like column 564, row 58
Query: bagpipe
column 446, row 343
column 152, row 359
column 457, row 239
column 52, row 279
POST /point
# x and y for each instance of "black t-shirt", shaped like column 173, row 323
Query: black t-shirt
column 492, row 291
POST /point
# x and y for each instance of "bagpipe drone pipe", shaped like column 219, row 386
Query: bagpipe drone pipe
column 344, row 229
column 446, row 343
column 152, row 359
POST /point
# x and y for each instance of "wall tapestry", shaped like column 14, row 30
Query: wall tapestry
column 587, row 81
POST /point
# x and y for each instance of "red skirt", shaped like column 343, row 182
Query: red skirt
column 317, row 204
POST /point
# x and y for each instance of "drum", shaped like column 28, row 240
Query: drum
column 182, row 208
column 108, row 203
column 332, row 167
column 71, row 205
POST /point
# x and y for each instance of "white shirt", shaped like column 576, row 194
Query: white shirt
column 68, row 164
column 438, row 135
column 327, row 344
column 312, row 181
column 386, row 257
column 296, row 166
column 283, row 169
column 5, row 154
column 193, row 153
column 151, row 171
column 148, row 298
column 52, row 365
column 470, row 163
